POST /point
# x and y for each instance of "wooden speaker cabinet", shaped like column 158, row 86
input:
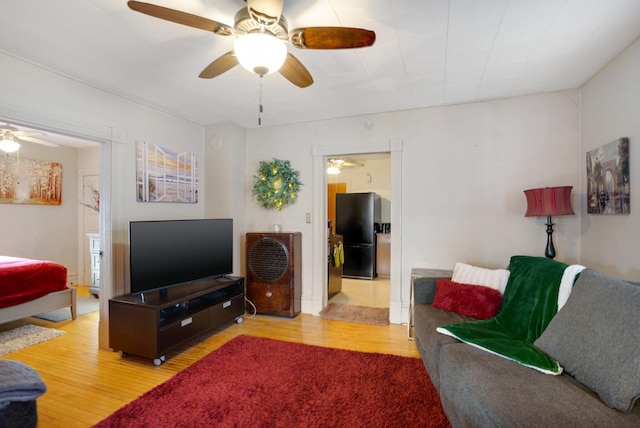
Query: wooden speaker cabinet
column 274, row 272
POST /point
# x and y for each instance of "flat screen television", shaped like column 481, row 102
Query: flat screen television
column 171, row 252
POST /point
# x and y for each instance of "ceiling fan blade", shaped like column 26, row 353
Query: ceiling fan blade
column 265, row 12
column 7, row 128
column 295, row 72
column 21, row 134
column 37, row 141
column 224, row 63
column 331, row 38
column 341, row 162
column 181, row 17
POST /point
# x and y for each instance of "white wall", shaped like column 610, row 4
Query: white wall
column 37, row 96
column 227, row 176
column 464, row 170
column 610, row 109
column 288, row 143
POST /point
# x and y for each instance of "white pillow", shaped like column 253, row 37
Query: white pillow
column 492, row 278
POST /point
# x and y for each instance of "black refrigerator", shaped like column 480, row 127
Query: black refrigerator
column 357, row 215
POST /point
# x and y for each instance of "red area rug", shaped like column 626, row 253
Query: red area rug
column 251, row 381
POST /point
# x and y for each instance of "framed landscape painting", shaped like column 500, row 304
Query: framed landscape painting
column 164, row 175
column 29, row 181
column 608, row 178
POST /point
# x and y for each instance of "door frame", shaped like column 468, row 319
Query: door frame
column 398, row 311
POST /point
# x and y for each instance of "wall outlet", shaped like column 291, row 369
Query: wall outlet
column 308, row 217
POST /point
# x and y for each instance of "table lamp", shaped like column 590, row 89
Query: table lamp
column 549, row 201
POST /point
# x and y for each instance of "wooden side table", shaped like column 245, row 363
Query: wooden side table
column 422, row 273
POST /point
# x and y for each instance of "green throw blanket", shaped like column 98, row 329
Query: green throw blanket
column 530, row 301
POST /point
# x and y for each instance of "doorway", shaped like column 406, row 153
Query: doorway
column 361, row 173
column 82, row 209
column 89, row 225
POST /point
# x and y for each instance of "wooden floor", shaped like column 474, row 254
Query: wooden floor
column 85, row 385
column 372, row 293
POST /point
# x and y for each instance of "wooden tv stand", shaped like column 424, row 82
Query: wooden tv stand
column 151, row 324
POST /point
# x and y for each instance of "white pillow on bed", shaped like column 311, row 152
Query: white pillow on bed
column 492, row 278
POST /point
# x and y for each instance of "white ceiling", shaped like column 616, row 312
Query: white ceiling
column 427, row 53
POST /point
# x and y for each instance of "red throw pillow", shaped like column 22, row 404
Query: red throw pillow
column 476, row 301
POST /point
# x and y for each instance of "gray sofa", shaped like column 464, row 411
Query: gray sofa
column 479, row 389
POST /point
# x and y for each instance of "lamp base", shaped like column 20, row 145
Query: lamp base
column 550, row 251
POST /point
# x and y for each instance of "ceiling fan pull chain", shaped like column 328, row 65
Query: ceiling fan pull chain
column 260, row 109
column 18, row 166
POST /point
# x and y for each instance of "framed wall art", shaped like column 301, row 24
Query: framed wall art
column 165, row 175
column 29, row 181
column 608, row 178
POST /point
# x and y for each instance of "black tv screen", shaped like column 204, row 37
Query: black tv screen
column 170, row 252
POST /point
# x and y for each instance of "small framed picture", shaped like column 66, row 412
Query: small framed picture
column 608, row 178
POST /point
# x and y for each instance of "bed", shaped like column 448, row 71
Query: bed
column 30, row 287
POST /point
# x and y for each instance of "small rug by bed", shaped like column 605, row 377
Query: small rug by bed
column 84, row 305
column 27, row 335
column 356, row 314
column 259, row 382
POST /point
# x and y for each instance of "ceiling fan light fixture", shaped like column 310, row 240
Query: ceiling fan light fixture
column 333, row 170
column 260, row 53
column 9, row 144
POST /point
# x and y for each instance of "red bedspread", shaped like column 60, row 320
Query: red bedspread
column 23, row 280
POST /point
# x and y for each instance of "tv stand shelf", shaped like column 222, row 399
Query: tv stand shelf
column 152, row 323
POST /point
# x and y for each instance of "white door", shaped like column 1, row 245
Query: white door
column 89, row 200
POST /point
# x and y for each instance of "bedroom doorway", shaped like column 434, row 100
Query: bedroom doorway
column 109, row 143
column 77, row 215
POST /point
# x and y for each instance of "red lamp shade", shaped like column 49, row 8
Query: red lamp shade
column 549, row 201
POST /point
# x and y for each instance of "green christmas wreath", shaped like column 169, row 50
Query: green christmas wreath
column 276, row 185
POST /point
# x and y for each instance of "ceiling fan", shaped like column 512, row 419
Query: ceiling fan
column 334, row 165
column 11, row 137
column 261, row 31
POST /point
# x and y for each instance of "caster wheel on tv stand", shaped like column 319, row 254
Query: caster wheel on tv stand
column 159, row 361
column 239, row 320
